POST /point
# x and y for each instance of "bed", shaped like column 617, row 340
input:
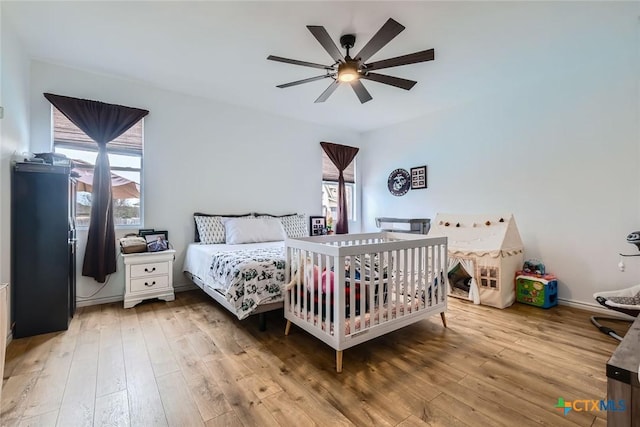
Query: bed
column 239, row 261
column 225, row 272
column 348, row 289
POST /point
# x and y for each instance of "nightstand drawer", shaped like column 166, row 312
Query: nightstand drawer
column 144, row 270
column 149, row 283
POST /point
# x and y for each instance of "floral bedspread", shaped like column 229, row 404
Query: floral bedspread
column 251, row 277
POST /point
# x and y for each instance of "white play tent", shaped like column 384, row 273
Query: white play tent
column 485, row 251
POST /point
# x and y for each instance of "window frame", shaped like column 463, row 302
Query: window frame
column 351, row 172
column 352, row 202
column 122, row 152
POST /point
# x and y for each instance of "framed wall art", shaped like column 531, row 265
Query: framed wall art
column 399, row 182
column 418, row 177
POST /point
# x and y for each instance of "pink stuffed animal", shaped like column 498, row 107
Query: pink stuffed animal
column 311, row 279
column 322, row 279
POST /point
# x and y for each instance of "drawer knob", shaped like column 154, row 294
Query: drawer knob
column 152, row 283
column 149, row 271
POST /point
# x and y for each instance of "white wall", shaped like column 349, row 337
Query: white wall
column 560, row 152
column 200, row 155
column 14, row 129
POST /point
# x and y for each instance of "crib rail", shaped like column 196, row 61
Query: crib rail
column 347, row 289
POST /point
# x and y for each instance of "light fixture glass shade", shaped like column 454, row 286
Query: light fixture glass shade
column 348, row 72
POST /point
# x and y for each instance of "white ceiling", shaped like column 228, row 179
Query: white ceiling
column 218, row 50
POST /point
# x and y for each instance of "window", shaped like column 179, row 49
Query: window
column 125, row 159
column 489, row 277
column 330, row 189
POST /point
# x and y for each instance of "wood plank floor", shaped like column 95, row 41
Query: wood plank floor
column 190, row 363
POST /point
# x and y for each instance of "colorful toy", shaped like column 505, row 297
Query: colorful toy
column 538, row 290
column 533, row 266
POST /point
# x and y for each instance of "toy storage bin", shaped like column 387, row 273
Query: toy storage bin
column 541, row 291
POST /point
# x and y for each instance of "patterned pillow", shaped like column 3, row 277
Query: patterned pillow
column 295, row 225
column 210, row 228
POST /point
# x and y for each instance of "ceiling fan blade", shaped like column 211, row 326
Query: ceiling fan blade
column 390, row 80
column 296, row 62
column 412, row 58
column 361, row 91
column 325, row 40
column 327, row 92
column 299, row 82
column 384, row 35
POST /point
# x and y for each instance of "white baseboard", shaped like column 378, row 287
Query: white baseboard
column 596, row 308
column 97, row 301
column 182, row 287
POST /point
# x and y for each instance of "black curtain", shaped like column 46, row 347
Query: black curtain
column 102, row 123
column 341, row 156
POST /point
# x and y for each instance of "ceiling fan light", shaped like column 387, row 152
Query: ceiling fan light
column 347, row 76
column 348, row 72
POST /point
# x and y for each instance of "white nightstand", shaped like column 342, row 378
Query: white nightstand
column 148, row 275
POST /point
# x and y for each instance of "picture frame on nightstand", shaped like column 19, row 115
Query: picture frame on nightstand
column 317, row 225
column 157, row 241
column 150, row 235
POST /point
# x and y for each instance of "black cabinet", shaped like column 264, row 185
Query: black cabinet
column 43, row 248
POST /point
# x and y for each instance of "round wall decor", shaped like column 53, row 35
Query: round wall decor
column 399, row 182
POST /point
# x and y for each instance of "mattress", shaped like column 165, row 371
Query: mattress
column 246, row 275
column 198, row 258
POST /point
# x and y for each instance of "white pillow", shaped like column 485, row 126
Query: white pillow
column 252, row 230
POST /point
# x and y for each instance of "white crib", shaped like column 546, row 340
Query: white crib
column 355, row 287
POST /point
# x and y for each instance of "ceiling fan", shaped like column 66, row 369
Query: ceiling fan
column 350, row 70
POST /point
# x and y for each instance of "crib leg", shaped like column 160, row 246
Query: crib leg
column 444, row 319
column 287, row 328
column 339, row 361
